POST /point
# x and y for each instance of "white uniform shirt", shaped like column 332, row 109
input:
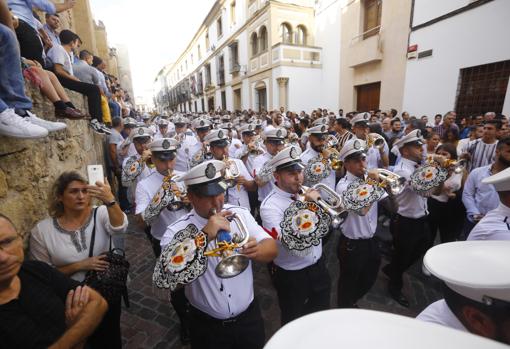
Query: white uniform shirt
column 220, row 298
column 439, row 313
column 272, row 210
column 477, row 197
column 356, row 226
column 237, row 195
column 190, row 145
column 410, row 204
column 145, row 191
column 309, row 154
column 452, row 184
column 249, row 159
column 234, row 145
column 258, row 163
column 495, row 225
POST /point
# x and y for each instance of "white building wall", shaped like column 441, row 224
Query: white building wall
column 425, row 10
column 328, row 35
column 304, row 88
column 472, row 38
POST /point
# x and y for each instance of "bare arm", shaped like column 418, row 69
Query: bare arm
column 5, row 15
column 60, row 71
column 82, row 319
column 113, row 155
column 264, row 251
column 66, row 5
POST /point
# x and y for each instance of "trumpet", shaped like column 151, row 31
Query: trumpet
column 179, row 193
column 149, row 162
column 457, row 166
column 375, row 139
column 255, row 147
column 232, row 172
column 266, row 172
column 391, row 182
column 232, row 262
column 201, row 155
column 331, row 203
column 333, row 158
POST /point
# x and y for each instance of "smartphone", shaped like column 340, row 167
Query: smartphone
column 95, row 174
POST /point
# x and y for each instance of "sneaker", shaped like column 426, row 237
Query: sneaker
column 13, row 125
column 96, row 126
column 105, row 129
column 49, row 125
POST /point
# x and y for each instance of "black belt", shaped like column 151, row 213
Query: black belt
column 226, row 322
column 356, row 240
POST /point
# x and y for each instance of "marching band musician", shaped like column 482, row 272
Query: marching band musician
column 302, row 282
column 187, row 141
column 358, row 251
column 274, row 140
column 223, row 312
column 163, row 155
column 377, row 157
column 495, row 225
column 409, row 227
column 235, row 143
column 126, row 148
column 238, row 194
column 247, row 153
column 135, row 168
column 317, row 141
column 202, row 127
column 162, row 131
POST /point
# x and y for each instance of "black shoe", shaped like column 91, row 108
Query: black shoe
column 399, row 297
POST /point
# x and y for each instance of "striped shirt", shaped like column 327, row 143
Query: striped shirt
column 482, row 154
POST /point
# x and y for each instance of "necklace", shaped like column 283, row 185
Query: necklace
column 77, row 236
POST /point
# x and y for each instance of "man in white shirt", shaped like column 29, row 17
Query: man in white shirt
column 481, row 152
column 188, row 143
column 237, row 193
column 51, row 27
column 162, row 131
column 223, row 311
column 198, row 152
column 476, row 296
column 274, row 141
column 495, row 225
column 317, row 168
column 249, row 150
column 411, row 236
column 358, row 251
column 302, row 282
column 377, row 157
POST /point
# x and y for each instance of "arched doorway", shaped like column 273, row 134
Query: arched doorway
column 260, row 96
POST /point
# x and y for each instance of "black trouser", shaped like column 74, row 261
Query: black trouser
column 442, row 217
column 359, row 264
column 301, row 292
column 245, row 331
column 122, row 192
column 411, row 239
column 30, row 44
column 91, row 91
column 107, row 334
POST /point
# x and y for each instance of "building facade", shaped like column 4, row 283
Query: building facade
column 459, row 57
column 247, row 54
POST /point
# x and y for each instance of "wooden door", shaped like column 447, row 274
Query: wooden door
column 368, row 96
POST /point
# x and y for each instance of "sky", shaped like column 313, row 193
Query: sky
column 155, row 32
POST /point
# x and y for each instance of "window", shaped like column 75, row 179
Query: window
column 221, row 70
column 207, row 42
column 263, row 39
column 254, row 44
column 372, row 17
column 219, row 27
column 233, row 12
column 300, row 35
column 192, row 59
column 234, row 57
column 199, row 51
column 286, row 33
column 223, row 100
column 186, row 64
column 482, row 88
column 208, row 75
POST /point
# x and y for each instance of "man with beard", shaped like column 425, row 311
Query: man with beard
column 316, row 171
column 377, row 157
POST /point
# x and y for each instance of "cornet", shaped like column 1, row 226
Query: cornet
column 457, row 166
column 179, row 193
column 375, row 139
column 232, row 172
column 232, row 262
column 391, row 182
column 331, row 203
column 333, row 158
column 255, row 147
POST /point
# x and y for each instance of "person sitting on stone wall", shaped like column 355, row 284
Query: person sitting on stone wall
column 16, row 120
column 61, row 57
column 39, row 306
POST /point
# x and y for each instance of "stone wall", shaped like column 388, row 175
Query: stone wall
column 29, row 167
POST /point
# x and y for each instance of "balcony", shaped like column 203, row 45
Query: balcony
column 235, row 68
column 365, row 48
column 287, row 53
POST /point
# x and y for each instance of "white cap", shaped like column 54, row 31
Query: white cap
column 368, row 329
column 163, row 122
column 500, row 180
column 219, row 135
column 276, row 133
column 141, row 132
column 247, row 128
column 206, row 177
column 287, row 157
column 321, row 121
column 179, row 119
column 164, row 145
column 319, row 129
column 129, row 121
column 227, row 125
column 478, row 270
column 201, row 123
column 360, row 117
column 146, row 116
column 413, row 136
column 351, row 147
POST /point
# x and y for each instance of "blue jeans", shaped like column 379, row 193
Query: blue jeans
column 114, row 109
column 12, row 84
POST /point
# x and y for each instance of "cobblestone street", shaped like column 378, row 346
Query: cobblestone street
column 150, row 322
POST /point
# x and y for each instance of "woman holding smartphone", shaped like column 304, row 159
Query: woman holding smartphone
column 63, row 240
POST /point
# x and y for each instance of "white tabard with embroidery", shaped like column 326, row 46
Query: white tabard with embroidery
column 258, row 163
column 310, row 154
column 410, row 204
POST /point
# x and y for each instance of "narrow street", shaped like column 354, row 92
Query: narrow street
column 151, row 322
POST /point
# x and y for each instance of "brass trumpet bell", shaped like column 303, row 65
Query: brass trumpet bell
column 232, row 172
column 391, row 181
column 375, row 139
column 330, row 202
